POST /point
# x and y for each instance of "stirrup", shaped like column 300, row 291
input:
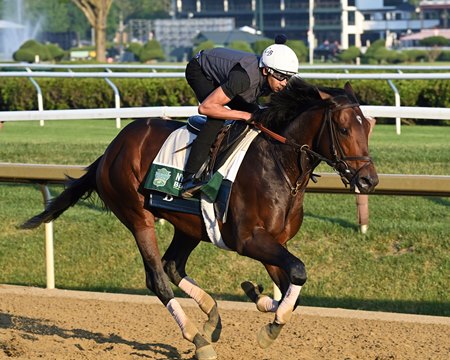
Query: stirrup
column 191, row 187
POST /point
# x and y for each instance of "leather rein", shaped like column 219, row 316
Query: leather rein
column 339, row 159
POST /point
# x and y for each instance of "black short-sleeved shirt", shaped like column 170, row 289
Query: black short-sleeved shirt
column 238, row 81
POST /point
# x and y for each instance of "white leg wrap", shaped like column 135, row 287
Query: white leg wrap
column 286, row 307
column 187, row 328
column 204, row 300
column 266, row 304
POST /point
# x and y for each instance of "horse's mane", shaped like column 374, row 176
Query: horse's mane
column 297, row 97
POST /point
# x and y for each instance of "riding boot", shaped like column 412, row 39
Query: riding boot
column 198, row 157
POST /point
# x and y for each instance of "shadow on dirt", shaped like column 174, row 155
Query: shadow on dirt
column 31, row 326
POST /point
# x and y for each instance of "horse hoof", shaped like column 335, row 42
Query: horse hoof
column 268, row 334
column 251, row 290
column 213, row 327
column 206, row 352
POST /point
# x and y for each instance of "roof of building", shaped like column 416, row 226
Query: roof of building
column 226, row 37
column 425, row 33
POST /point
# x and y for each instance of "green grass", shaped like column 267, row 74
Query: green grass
column 402, row 264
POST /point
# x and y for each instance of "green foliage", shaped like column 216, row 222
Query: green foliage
column 135, row 48
column 204, row 45
column 375, row 52
column 395, row 57
column 349, row 55
column 17, row 94
column 56, row 52
column 444, row 56
column 299, row 48
column 64, row 93
column 151, row 51
column 415, row 55
column 143, row 9
column 241, row 46
column 155, row 92
column 52, row 15
column 29, row 49
column 434, row 41
column 260, row 45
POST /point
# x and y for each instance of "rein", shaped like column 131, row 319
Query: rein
column 338, row 163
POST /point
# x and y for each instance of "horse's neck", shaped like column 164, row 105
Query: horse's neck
column 302, row 131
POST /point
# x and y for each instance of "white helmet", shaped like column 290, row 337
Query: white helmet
column 280, row 58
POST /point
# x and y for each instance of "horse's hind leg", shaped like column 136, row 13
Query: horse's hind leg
column 157, row 282
column 174, row 262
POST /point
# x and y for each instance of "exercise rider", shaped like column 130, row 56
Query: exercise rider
column 227, row 84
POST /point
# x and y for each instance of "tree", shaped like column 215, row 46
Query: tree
column 300, row 49
column 434, row 41
column 260, row 45
column 96, row 11
column 144, row 9
column 151, row 51
column 203, row 46
column 240, row 45
column 350, row 55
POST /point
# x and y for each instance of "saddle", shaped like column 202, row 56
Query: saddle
column 226, row 141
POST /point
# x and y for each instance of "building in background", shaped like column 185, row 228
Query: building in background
column 347, row 22
column 176, row 36
column 225, row 38
column 437, row 10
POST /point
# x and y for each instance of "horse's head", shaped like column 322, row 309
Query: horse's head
column 343, row 139
column 326, row 123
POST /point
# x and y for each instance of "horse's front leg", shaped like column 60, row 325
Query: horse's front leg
column 263, row 247
column 265, row 303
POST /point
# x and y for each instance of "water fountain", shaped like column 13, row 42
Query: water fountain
column 15, row 29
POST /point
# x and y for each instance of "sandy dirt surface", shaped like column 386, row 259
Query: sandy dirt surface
column 58, row 324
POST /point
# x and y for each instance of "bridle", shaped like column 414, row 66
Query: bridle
column 338, row 161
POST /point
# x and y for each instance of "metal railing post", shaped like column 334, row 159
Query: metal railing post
column 116, row 97
column 49, row 251
column 40, row 99
column 397, row 103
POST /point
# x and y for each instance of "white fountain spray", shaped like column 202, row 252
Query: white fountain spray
column 15, row 29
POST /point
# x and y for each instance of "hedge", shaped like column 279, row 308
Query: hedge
column 61, row 93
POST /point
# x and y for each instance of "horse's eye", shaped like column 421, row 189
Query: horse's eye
column 343, row 131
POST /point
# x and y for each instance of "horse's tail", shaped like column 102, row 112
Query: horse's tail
column 75, row 190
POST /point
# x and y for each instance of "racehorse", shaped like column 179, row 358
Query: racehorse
column 301, row 126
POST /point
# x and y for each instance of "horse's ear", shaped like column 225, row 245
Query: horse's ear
column 348, row 88
column 323, row 95
column 349, row 91
column 372, row 121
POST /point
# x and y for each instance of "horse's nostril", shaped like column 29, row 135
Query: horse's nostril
column 365, row 184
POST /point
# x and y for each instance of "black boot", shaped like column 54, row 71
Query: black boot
column 198, row 157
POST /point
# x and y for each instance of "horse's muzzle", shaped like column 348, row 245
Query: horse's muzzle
column 366, row 183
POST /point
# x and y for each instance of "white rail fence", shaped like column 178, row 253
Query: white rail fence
column 106, row 72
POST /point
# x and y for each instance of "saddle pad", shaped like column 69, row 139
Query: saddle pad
column 167, row 170
column 166, row 175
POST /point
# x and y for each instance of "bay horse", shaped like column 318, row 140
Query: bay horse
column 302, row 126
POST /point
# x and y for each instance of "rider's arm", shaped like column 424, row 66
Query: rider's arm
column 214, row 104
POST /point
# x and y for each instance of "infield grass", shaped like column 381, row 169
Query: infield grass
column 402, row 264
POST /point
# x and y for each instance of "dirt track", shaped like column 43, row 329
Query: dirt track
column 56, row 324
